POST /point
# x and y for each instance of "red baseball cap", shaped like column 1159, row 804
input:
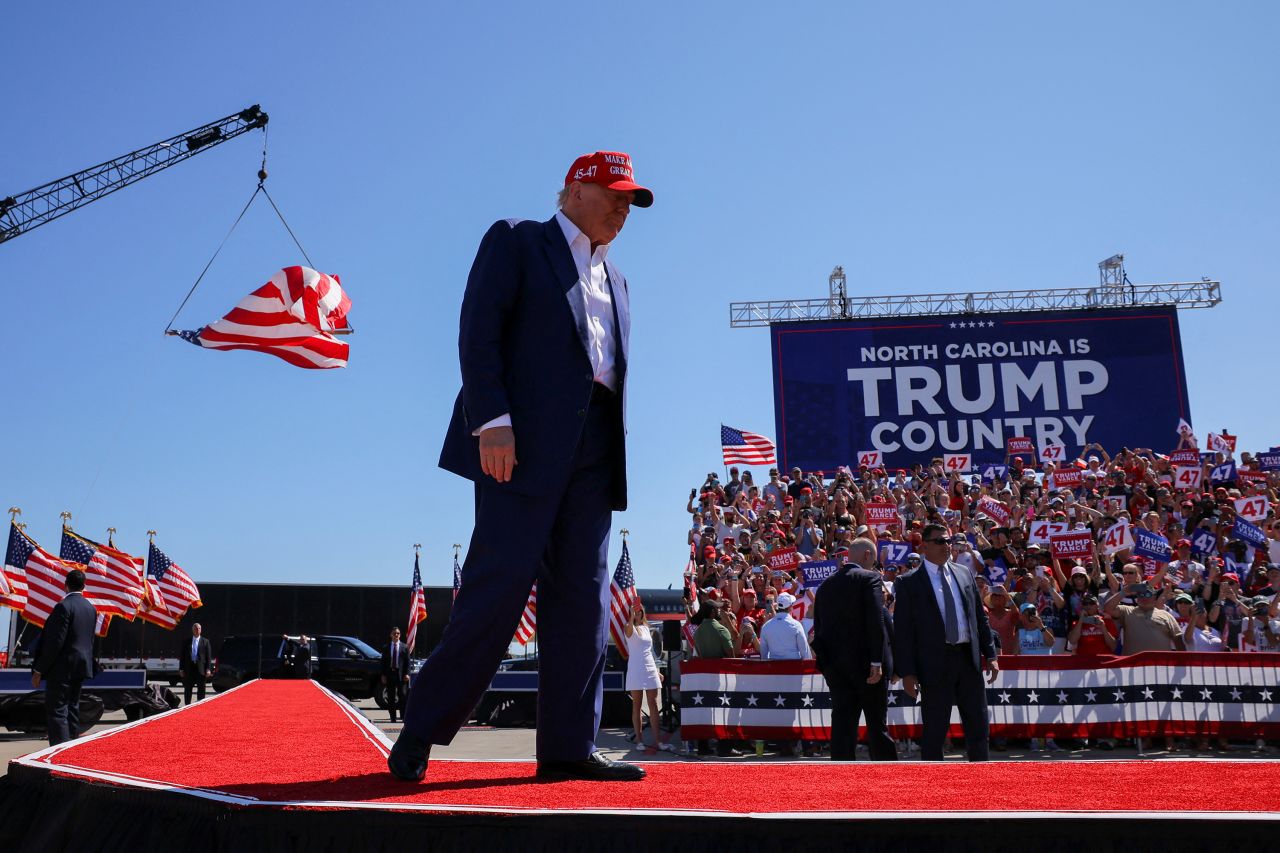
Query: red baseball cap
column 611, row 170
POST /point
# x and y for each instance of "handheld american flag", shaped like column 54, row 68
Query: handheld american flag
column 113, row 579
column 746, row 448
column 417, row 606
column 529, row 618
column 291, row 317
column 172, row 590
column 622, row 597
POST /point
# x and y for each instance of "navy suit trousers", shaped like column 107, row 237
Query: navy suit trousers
column 62, row 710
column 562, row 541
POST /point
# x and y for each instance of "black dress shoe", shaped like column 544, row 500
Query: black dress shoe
column 596, row 768
column 408, row 758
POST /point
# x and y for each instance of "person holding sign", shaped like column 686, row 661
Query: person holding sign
column 943, row 643
column 852, row 639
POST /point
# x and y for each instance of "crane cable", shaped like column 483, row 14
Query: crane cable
column 261, row 188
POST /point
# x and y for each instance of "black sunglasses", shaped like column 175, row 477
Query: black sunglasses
column 936, row 541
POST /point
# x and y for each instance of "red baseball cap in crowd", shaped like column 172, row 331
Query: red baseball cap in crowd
column 611, row 170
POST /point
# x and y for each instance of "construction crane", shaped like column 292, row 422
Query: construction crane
column 33, row 208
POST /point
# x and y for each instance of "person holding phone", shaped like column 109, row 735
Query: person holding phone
column 1093, row 634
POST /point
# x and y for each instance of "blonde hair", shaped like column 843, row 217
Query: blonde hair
column 562, row 196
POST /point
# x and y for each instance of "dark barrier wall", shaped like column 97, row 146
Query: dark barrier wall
column 915, row 388
column 367, row 612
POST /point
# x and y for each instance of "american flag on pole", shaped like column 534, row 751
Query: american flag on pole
column 291, row 317
column 417, row 606
column 622, row 597
column 457, row 577
column 746, row 448
column 529, row 619
column 172, row 590
column 15, row 568
column 113, row 579
column 46, row 583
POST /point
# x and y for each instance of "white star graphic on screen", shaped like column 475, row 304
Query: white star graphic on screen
column 1266, row 695
column 1033, row 696
column 752, row 700
column 953, row 325
column 1148, row 693
column 1119, row 695
column 1062, row 697
column 779, row 701
column 1235, row 693
column 1090, row 696
column 972, row 324
column 1177, row 693
column 724, row 699
column 697, row 698
column 1004, row 697
column 1206, row 693
column 807, row 700
column 893, row 698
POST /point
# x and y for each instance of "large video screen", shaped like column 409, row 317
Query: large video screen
column 912, row 389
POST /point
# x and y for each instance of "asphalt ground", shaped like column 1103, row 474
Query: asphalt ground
column 477, row 742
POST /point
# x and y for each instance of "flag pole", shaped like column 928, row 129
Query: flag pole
column 142, row 628
column 111, row 535
column 66, row 520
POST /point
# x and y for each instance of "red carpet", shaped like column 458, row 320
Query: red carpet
column 289, row 742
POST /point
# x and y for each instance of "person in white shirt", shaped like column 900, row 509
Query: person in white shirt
column 782, row 637
column 1199, row 635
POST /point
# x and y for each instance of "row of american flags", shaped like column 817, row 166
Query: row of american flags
column 622, row 597
column 118, row 584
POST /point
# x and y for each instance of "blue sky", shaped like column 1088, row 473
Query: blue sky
column 929, row 147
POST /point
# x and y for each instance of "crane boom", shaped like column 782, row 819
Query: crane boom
column 33, row 208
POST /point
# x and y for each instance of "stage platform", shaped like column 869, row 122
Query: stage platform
column 287, row 765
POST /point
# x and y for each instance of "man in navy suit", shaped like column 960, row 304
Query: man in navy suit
column 943, row 644
column 395, row 672
column 539, row 428
column 852, row 635
column 66, row 659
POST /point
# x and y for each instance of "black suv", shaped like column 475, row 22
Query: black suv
column 345, row 665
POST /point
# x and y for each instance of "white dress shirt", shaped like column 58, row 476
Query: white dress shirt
column 593, row 281
column 935, row 579
column 783, row 638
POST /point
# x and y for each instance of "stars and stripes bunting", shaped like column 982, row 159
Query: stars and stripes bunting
column 622, row 597
column 1144, row 695
column 529, row 618
column 417, row 606
column 15, row 572
column 291, row 317
column 173, row 592
column 113, row 579
column 746, row 448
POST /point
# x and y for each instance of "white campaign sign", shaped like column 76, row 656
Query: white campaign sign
column 1252, row 509
column 1118, row 537
column 1187, row 478
column 956, row 463
column 1041, row 531
column 1053, row 453
column 869, row 458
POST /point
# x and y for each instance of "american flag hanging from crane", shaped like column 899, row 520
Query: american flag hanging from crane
column 293, row 316
column 417, row 606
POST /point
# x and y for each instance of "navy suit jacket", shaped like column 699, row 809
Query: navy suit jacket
column 522, row 346
column 851, row 628
column 918, row 629
column 66, row 644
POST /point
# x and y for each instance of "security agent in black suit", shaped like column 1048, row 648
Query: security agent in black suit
column 66, row 659
column 943, row 648
column 852, row 639
column 197, row 665
column 395, row 672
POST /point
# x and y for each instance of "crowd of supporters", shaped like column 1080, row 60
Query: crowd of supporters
column 750, row 542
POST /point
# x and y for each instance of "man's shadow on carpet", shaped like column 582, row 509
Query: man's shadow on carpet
column 366, row 786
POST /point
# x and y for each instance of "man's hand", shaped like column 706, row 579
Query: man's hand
column 911, row 686
column 876, row 675
column 498, row 452
column 992, row 669
column 35, row 679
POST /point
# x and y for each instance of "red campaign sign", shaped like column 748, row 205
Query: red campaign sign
column 1256, row 476
column 882, row 514
column 1077, row 544
column 995, row 509
column 784, row 559
column 1068, row 478
column 1020, row 444
column 1185, row 457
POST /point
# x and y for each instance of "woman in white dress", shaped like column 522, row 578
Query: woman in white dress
column 643, row 678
